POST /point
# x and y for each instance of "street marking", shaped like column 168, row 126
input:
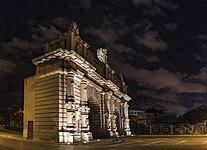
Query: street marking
column 183, row 141
column 156, row 142
column 133, row 142
column 204, row 142
column 128, row 143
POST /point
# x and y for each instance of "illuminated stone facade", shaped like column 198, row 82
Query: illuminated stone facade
column 75, row 95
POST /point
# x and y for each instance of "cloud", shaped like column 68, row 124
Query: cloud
column 163, row 3
column 109, row 38
column 18, row 46
column 162, row 79
column 120, row 48
column 21, row 51
column 155, row 11
column 201, row 76
column 17, row 43
column 6, row 67
column 166, row 4
column 163, row 96
column 60, row 21
column 201, row 39
column 171, row 26
column 44, row 33
column 142, row 2
column 105, row 35
column 202, row 36
column 151, row 59
column 173, row 107
column 152, row 40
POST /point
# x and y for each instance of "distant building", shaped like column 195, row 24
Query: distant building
column 139, row 119
column 75, row 94
column 135, row 113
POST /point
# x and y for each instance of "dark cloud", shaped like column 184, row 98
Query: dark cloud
column 62, row 22
column 152, row 59
column 165, row 96
column 201, row 76
column 161, row 79
column 6, row 67
column 171, row 26
column 152, row 40
column 43, row 33
column 166, row 4
column 105, row 35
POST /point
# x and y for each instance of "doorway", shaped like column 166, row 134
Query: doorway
column 30, row 130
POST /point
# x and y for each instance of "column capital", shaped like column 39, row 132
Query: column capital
column 84, row 81
column 109, row 93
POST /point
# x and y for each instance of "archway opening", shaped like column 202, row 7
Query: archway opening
column 94, row 117
column 118, row 121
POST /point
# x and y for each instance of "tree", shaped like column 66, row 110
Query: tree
column 196, row 115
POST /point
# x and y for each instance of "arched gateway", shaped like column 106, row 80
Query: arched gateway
column 75, row 95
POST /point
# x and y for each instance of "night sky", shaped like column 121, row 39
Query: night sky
column 160, row 46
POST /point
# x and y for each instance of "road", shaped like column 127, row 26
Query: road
column 13, row 141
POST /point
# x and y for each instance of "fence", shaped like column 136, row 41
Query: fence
column 166, row 129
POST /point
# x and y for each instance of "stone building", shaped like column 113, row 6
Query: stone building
column 75, row 95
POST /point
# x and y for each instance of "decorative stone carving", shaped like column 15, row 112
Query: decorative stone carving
column 102, row 55
column 73, row 27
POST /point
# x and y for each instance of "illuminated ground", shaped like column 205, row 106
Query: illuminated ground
column 11, row 140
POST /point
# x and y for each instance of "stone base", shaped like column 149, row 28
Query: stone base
column 128, row 133
column 77, row 137
column 49, row 136
column 86, row 136
column 115, row 133
column 66, row 137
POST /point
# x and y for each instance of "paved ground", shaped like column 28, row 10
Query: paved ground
column 14, row 141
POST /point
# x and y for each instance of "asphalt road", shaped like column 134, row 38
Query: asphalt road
column 13, row 141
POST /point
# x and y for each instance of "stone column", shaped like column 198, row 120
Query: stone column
column 103, row 121
column 113, row 117
column 108, row 113
column 85, row 134
column 77, row 94
column 126, row 121
column 70, row 106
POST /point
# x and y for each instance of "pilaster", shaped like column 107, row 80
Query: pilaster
column 113, row 117
column 85, row 134
column 103, row 112
column 108, row 113
column 70, row 106
column 126, row 120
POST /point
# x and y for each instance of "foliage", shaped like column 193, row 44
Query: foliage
column 196, row 115
column 193, row 116
column 165, row 119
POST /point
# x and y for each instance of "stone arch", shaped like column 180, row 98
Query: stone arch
column 95, row 111
column 94, row 117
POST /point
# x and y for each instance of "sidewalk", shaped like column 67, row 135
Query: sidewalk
column 10, row 134
column 19, row 136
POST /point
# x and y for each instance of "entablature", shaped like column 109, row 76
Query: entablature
column 80, row 61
